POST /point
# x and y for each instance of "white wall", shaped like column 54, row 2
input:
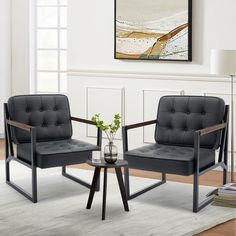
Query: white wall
column 99, row 83
column 5, row 56
column 20, row 47
column 14, row 50
column 91, row 37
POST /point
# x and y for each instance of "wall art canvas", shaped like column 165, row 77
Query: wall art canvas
column 153, row 30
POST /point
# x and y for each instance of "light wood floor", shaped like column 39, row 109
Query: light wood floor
column 213, row 178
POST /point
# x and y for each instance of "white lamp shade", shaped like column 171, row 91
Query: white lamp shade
column 223, row 62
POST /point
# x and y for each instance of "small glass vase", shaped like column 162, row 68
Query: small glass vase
column 110, row 153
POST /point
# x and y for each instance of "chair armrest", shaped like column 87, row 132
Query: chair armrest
column 197, row 138
column 141, row 124
column 82, row 120
column 28, row 128
column 133, row 126
column 19, row 125
column 212, row 129
column 89, row 122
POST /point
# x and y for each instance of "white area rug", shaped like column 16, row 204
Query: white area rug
column 166, row 210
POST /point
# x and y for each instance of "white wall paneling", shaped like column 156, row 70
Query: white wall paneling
column 107, row 102
column 114, row 74
column 150, row 104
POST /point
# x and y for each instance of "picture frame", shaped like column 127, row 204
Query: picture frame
column 165, row 37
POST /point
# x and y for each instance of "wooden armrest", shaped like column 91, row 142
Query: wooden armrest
column 211, row 129
column 19, row 125
column 82, row 120
column 140, row 124
column 99, row 134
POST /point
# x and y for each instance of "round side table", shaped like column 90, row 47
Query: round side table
column 98, row 166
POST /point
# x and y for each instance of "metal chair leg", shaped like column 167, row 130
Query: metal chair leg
column 163, row 176
column 142, row 191
column 34, row 185
column 33, row 197
column 7, row 167
column 196, row 205
column 127, row 186
column 195, row 192
column 225, row 175
column 77, row 180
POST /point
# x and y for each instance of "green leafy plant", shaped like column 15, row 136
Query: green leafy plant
column 109, row 129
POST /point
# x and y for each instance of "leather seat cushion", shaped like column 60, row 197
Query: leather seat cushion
column 168, row 159
column 57, row 153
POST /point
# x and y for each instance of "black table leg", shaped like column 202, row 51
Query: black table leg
column 122, row 188
column 93, row 187
column 104, row 194
column 98, row 184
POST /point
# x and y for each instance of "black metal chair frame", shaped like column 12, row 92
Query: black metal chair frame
column 9, row 155
column 222, row 160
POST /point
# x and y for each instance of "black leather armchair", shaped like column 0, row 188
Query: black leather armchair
column 41, row 128
column 189, row 130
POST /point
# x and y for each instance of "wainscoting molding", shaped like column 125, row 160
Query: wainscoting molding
column 147, row 75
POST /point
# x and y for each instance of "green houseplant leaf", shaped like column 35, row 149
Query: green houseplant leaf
column 109, row 129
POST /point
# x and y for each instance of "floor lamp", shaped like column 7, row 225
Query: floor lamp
column 223, row 62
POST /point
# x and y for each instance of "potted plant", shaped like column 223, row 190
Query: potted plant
column 110, row 150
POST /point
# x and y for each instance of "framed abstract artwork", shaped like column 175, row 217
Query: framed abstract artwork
column 153, row 30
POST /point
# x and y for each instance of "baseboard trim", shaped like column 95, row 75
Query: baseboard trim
column 1, row 136
column 146, row 75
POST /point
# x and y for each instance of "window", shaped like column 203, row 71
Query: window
column 51, row 43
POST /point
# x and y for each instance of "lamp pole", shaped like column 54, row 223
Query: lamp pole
column 232, row 128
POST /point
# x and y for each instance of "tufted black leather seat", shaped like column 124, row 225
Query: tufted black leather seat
column 168, row 159
column 57, row 153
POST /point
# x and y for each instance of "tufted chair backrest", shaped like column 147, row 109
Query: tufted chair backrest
column 50, row 114
column 179, row 116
